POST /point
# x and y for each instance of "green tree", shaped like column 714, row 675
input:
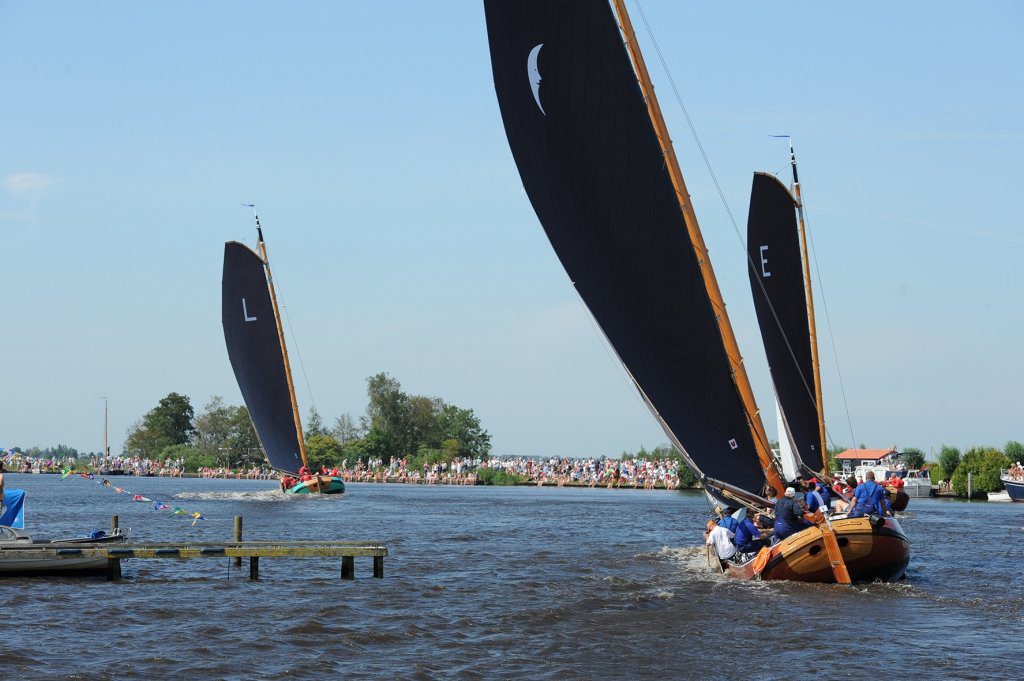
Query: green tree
column 314, row 424
column 949, row 459
column 912, row 457
column 1014, row 451
column 194, row 459
column 169, row 423
column 140, row 441
column 463, row 426
column 323, row 450
column 213, row 429
column 244, row 443
column 353, row 451
column 401, row 425
column 172, row 419
column 385, row 416
column 225, row 433
column 421, row 425
column 834, row 464
column 984, row 463
column 345, row 429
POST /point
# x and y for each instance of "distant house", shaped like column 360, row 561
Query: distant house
column 866, row 458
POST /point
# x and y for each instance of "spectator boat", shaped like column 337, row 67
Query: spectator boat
column 596, row 161
column 259, row 358
column 1014, row 486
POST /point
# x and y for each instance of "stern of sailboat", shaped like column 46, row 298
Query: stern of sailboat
column 321, row 484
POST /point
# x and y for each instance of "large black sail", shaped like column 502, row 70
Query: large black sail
column 777, row 270
column 250, row 332
column 589, row 160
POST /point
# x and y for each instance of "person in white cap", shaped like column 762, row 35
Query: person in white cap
column 789, row 517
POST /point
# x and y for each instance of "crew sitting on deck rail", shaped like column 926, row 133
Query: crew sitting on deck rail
column 869, row 497
column 727, row 520
column 817, row 496
column 789, row 515
column 749, row 537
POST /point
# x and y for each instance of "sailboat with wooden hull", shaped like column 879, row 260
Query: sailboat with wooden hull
column 872, row 551
column 586, row 132
column 259, row 357
column 780, row 281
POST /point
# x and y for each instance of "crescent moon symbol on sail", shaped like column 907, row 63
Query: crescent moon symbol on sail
column 534, row 74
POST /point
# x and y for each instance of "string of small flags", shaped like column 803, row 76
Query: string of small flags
column 157, row 504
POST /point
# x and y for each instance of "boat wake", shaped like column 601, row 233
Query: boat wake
column 260, row 495
column 693, row 561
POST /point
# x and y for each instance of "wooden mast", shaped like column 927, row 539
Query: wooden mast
column 828, row 535
column 284, row 348
column 739, row 372
column 816, row 369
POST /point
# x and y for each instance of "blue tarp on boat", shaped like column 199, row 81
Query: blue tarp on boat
column 14, row 509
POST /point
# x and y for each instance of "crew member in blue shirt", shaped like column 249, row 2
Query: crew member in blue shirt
column 748, row 537
column 789, row 515
column 816, row 497
column 727, row 521
column 869, row 497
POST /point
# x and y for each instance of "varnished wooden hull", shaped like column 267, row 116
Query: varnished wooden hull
column 871, row 553
column 322, row 484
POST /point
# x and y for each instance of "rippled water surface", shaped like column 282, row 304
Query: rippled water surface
column 497, row 583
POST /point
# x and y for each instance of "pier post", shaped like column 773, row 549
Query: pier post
column 113, row 524
column 348, row 567
column 238, row 538
column 970, row 486
column 378, row 567
column 113, row 569
column 254, row 567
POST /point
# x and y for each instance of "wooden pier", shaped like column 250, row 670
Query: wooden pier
column 253, row 550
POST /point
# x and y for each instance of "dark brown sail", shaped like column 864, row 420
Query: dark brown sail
column 583, row 141
column 254, row 348
column 777, row 283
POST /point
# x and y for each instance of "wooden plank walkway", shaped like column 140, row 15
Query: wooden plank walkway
column 253, row 550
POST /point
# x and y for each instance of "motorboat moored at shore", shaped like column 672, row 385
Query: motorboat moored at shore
column 1014, row 486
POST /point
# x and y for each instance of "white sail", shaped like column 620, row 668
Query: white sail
column 787, row 459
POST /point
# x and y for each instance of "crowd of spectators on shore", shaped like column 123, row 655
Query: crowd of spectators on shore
column 553, row 471
column 591, row 472
column 114, row 465
column 253, row 473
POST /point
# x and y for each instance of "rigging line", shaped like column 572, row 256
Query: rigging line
column 828, row 323
column 689, row 121
column 295, row 343
column 714, row 177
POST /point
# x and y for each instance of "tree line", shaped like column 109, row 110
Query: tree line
column 396, row 424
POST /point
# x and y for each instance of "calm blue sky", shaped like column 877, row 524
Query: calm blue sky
column 369, row 136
